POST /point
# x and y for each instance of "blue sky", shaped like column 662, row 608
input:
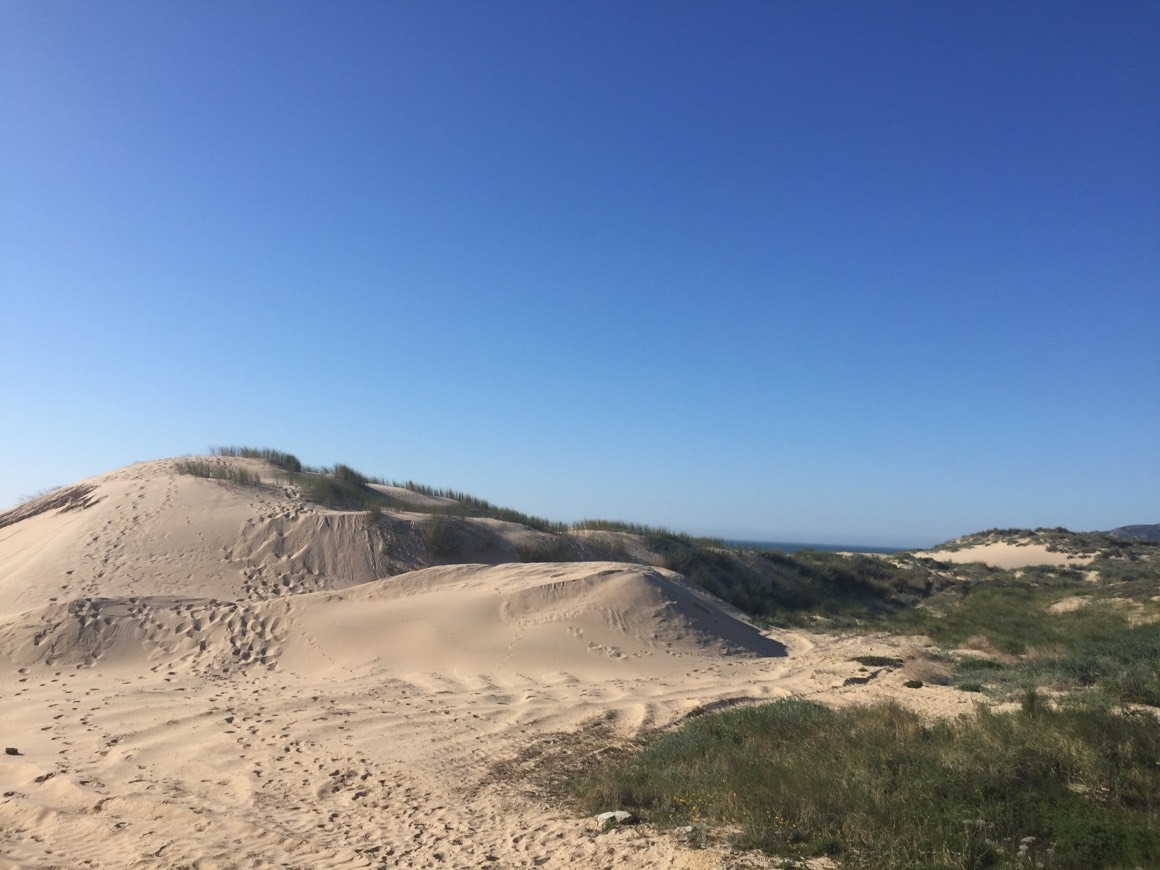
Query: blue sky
column 837, row 272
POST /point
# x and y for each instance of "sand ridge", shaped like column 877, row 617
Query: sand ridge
column 202, row 674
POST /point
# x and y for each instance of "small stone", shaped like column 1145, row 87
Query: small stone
column 617, row 817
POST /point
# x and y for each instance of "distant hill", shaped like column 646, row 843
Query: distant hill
column 1136, row 533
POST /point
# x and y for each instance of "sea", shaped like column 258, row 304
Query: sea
column 791, row 546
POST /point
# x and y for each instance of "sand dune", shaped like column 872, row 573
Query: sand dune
column 592, row 617
column 1002, row 554
column 200, row 674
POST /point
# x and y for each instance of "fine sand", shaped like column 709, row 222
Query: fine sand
column 196, row 674
column 1009, row 556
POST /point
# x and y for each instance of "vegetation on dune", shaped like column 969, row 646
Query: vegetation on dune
column 1067, row 782
column 465, row 505
column 285, row 461
column 1014, row 615
column 558, row 548
column 59, row 498
column 343, row 488
column 652, row 534
column 805, row 587
column 1057, row 539
column 1072, row 781
column 905, row 592
column 217, row 471
column 843, row 589
column 1074, row 786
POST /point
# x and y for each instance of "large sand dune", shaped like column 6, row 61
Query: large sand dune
column 1004, row 554
column 200, row 674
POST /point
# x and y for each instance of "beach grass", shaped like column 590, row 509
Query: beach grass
column 1069, row 786
column 217, row 471
column 1071, row 779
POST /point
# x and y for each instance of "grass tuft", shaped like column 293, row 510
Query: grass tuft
column 217, row 471
column 285, row 461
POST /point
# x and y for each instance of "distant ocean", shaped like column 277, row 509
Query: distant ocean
column 790, row 546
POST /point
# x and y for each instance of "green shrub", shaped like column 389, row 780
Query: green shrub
column 335, row 492
column 1010, row 613
column 348, row 475
column 285, row 461
column 972, row 665
column 441, row 537
column 1124, row 662
column 555, row 549
column 879, row 787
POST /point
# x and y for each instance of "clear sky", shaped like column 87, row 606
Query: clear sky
column 836, row 272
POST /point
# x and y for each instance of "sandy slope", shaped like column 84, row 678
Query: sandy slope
column 197, row 674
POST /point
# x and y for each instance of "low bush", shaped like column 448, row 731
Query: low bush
column 879, row 787
column 335, row 492
column 972, row 664
column 554, row 549
column 1124, row 663
column 1011, row 614
column 441, row 536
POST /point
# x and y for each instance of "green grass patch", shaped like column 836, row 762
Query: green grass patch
column 1012, row 615
column 971, row 664
column 878, row 787
column 285, row 461
column 1139, row 565
column 817, row 589
column 1057, row 539
column 217, row 471
column 555, row 549
column 466, row 505
column 651, row 532
column 1125, row 663
column 340, row 493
